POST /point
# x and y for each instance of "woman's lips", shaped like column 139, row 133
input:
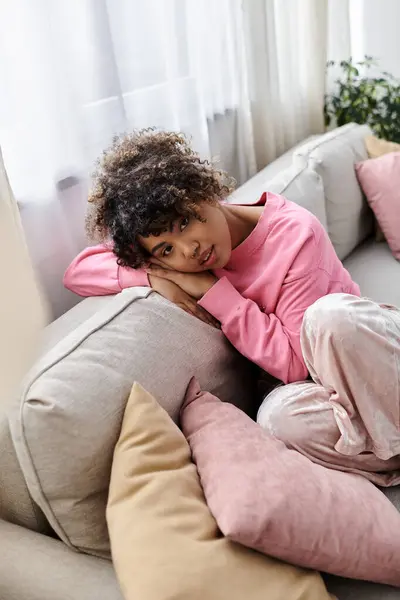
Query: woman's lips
column 207, row 259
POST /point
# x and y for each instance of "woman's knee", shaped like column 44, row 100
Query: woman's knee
column 300, row 415
column 279, row 417
column 333, row 314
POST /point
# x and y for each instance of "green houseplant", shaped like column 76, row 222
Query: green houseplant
column 361, row 96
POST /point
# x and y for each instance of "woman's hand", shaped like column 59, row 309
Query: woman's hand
column 194, row 284
column 172, row 292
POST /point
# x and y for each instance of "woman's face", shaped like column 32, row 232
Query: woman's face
column 192, row 246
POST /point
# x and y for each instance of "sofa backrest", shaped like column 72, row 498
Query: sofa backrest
column 320, row 176
column 333, row 156
column 74, row 397
column 300, row 184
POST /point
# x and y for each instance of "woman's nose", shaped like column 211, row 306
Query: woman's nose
column 190, row 249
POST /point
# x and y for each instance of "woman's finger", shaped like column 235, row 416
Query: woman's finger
column 207, row 319
column 160, row 272
column 154, row 261
column 158, row 263
column 205, row 316
column 191, row 308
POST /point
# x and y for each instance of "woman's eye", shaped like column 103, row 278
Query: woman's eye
column 184, row 223
column 167, row 251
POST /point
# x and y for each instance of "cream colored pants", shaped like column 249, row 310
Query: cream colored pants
column 348, row 417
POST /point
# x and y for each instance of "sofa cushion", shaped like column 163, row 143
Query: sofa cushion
column 165, row 542
column 304, row 187
column 68, row 322
column 376, row 271
column 299, row 184
column 333, row 157
column 38, row 567
column 253, row 188
column 74, row 398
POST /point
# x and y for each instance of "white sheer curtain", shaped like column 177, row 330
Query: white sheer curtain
column 287, row 50
column 77, row 72
column 345, row 34
column 244, row 78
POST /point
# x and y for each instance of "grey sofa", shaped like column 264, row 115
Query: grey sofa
column 319, row 174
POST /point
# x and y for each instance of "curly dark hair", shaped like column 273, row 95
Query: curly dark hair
column 143, row 182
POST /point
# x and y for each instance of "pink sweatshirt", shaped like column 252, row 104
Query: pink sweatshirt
column 281, row 268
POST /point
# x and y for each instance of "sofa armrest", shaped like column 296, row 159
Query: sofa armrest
column 36, row 567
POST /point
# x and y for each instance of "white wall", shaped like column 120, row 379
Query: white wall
column 379, row 29
column 360, row 27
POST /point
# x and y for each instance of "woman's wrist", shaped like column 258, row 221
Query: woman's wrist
column 208, row 283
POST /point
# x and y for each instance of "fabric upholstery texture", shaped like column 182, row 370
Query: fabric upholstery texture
column 16, row 505
column 304, row 187
column 57, row 330
column 277, row 501
column 376, row 271
column 165, row 542
column 377, row 147
column 380, row 180
column 297, row 183
column 38, row 567
column 73, row 401
column 256, row 185
column 333, row 157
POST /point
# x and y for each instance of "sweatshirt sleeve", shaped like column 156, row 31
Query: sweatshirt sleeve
column 260, row 337
column 95, row 272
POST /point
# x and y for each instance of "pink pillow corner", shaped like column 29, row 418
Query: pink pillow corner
column 194, row 397
column 193, row 392
column 379, row 179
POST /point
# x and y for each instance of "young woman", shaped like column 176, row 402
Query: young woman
column 269, row 277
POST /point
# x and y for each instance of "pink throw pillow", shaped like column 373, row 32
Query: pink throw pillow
column 278, row 502
column 379, row 179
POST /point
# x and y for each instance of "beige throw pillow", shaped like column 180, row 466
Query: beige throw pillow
column 165, row 543
column 376, row 147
